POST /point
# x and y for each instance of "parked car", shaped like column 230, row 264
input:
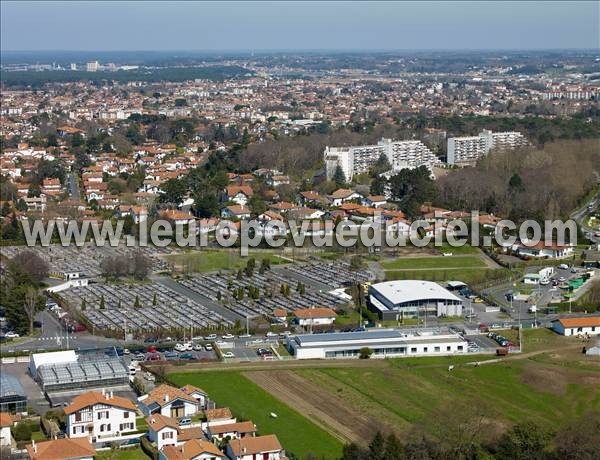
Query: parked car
column 126, row 351
column 211, row 337
column 185, row 422
column 187, row 355
column 197, row 347
column 208, row 347
column 228, row 354
column 228, row 336
column 151, row 340
column 138, row 357
column 11, row 335
column 151, row 349
column 563, row 266
column 245, row 336
column 153, row 357
column 271, row 334
column 170, row 355
column 264, row 351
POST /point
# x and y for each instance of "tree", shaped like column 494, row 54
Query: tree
column 365, row 353
column 102, row 302
column 154, row 301
column 338, row 176
column 579, row 440
column 31, row 305
column 140, row 265
column 377, row 447
column 83, row 305
column 137, row 304
column 393, row 448
column 173, row 191
column 31, row 263
column 525, row 441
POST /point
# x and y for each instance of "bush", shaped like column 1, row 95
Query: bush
column 365, row 353
column 22, row 430
column 148, row 448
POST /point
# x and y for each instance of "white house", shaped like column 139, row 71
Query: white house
column 194, row 449
column 344, row 195
column 169, row 401
column 551, row 251
column 6, row 422
column 589, row 325
column 218, row 416
column 240, row 194
column 100, row 415
column 232, row 430
column 162, row 430
column 253, row 448
column 198, row 394
column 314, row 316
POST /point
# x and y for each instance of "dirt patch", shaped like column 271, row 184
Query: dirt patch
column 543, row 379
column 324, row 408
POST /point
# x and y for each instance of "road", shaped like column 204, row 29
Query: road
column 582, row 213
column 73, row 187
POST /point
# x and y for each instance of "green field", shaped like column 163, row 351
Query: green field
column 248, row 401
column 545, row 392
column 466, row 275
column 210, row 261
column 412, row 263
column 459, row 250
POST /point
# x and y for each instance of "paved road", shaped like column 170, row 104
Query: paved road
column 184, row 291
column 73, row 187
column 582, row 213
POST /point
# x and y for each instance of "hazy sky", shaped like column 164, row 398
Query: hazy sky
column 232, row 25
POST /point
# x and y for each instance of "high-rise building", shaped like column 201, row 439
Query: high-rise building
column 464, row 150
column 92, row 66
column 73, row 66
column 358, row 159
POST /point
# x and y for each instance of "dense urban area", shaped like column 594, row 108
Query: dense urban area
column 432, row 351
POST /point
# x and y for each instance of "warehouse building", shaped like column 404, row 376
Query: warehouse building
column 394, row 300
column 392, row 343
column 577, row 326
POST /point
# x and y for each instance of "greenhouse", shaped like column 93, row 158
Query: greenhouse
column 84, row 373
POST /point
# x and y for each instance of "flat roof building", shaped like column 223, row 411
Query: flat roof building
column 383, row 343
column 393, row 300
column 13, row 398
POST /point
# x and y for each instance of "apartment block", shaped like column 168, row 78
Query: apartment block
column 358, row 159
column 468, row 149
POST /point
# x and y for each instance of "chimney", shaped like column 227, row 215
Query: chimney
column 111, row 394
column 166, row 398
column 102, row 391
column 33, row 446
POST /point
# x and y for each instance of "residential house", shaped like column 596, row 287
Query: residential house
column 276, row 180
column 199, row 395
column 99, row 415
column 255, row 448
column 236, row 211
column 169, row 401
column 344, row 195
column 218, row 416
column 62, row 449
column 138, row 213
column 231, row 430
column 162, row 430
column 375, row 201
column 194, row 449
column 6, row 422
column 541, row 249
column 240, row 194
column 314, row 316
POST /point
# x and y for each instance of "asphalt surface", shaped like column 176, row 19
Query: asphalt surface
column 73, row 187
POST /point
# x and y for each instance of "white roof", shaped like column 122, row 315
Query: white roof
column 402, row 291
column 53, row 357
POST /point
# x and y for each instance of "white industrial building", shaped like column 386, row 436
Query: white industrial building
column 394, row 300
column 464, row 150
column 391, row 343
column 358, row 159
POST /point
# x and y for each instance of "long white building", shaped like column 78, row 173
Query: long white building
column 358, row 159
column 462, row 150
column 383, row 343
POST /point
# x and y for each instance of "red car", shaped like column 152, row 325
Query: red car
column 151, row 349
column 153, row 357
column 79, row 327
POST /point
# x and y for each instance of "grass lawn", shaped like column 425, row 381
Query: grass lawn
column 411, row 263
column 248, row 401
column 461, row 250
column 422, row 392
column 466, row 275
column 132, row 453
column 210, row 261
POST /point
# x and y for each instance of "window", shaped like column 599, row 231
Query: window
column 460, row 347
column 78, row 416
column 425, row 349
column 413, row 350
column 126, row 414
column 74, row 430
column 167, row 435
column 448, row 348
column 436, row 349
column 108, row 427
column 102, row 427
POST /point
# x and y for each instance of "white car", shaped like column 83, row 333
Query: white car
column 229, row 354
column 211, row 337
column 271, row 334
column 245, row 336
column 126, row 351
column 197, row 347
column 208, row 347
column 11, row 335
column 228, row 336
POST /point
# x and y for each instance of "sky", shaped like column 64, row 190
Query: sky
column 339, row 25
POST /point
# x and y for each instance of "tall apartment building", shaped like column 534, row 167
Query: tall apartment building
column 358, row 159
column 92, row 66
column 469, row 149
